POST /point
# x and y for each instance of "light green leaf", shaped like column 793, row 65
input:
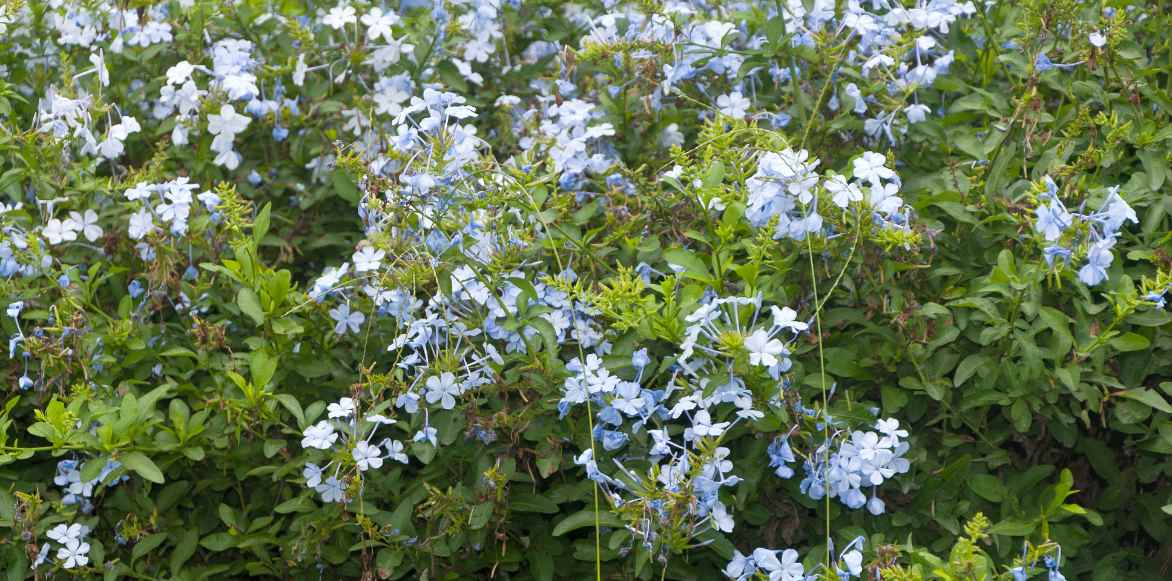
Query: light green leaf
column 144, row 466
column 1147, row 396
column 249, row 304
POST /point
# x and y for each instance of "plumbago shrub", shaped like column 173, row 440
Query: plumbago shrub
column 795, row 290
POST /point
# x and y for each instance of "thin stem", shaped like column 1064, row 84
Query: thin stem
column 822, row 379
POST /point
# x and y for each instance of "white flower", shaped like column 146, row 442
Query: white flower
column 367, row 456
column 379, row 419
column 98, row 59
column 62, row 533
column 790, row 569
column 312, row 474
column 890, row 428
column 378, row 24
column 368, row 259
column 320, row 435
column 628, row 398
column 74, row 553
column 444, row 389
column 720, row 516
column 763, row 350
column 883, row 198
column 733, row 104
column 225, row 127
column 87, row 224
column 112, row 146
column 299, row 70
column 345, row 319
column 702, row 425
column 228, row 122
column 786, row 318
column 1098, row 39
column 228, row 159
column 180, row 73
column 345, row 408
column 427, row 434
column 916, row 113
column 340, row 16
column 854, row 562
column 141, row 224
column 766, row 560
column 331, row 490
column 843, row 192
column 395, row 450
column 57, row 232
column 870, row 167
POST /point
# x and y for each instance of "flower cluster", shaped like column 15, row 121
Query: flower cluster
column 352, row 453
column 456, row 213
column 78, row 491
column 786, row 190
column 73, row 551
column 847, row 462
column 1094, row 233
column 783, row 565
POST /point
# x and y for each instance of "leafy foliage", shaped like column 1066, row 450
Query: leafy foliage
column 631, row 290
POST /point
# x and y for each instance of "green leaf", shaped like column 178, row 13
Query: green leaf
column 1130, row 342
column 344, row 187
column 146, row 468
column 249, row 304
column 184, row 549
column 968, row 366
column 586, row 518
column 541, row 564
column 1147, row 396
column 260, row 226
column 479, row 515
column 988, row 487
column 295, row 504
column 147, row 545
column 387, row 562
column 548, row 335
column 693, row 266
column 290, row 403
column 1021, row 415
column 1013, row 528
column 217, row 542
column 179, row 352
column 528, row 502
column 262, row 367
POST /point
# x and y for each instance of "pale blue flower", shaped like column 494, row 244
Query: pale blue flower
column 346, row 319
column 444, row 389
column 1099, row 258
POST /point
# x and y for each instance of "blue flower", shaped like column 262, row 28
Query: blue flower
column 1052, row 220
column 427, row 434
column 1052, row 252
column 1157, row 298
column 780, row 455
column 613, row 440
column 1043, row 64
column 1099, row 258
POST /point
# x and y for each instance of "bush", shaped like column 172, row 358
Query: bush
column 634, row 290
